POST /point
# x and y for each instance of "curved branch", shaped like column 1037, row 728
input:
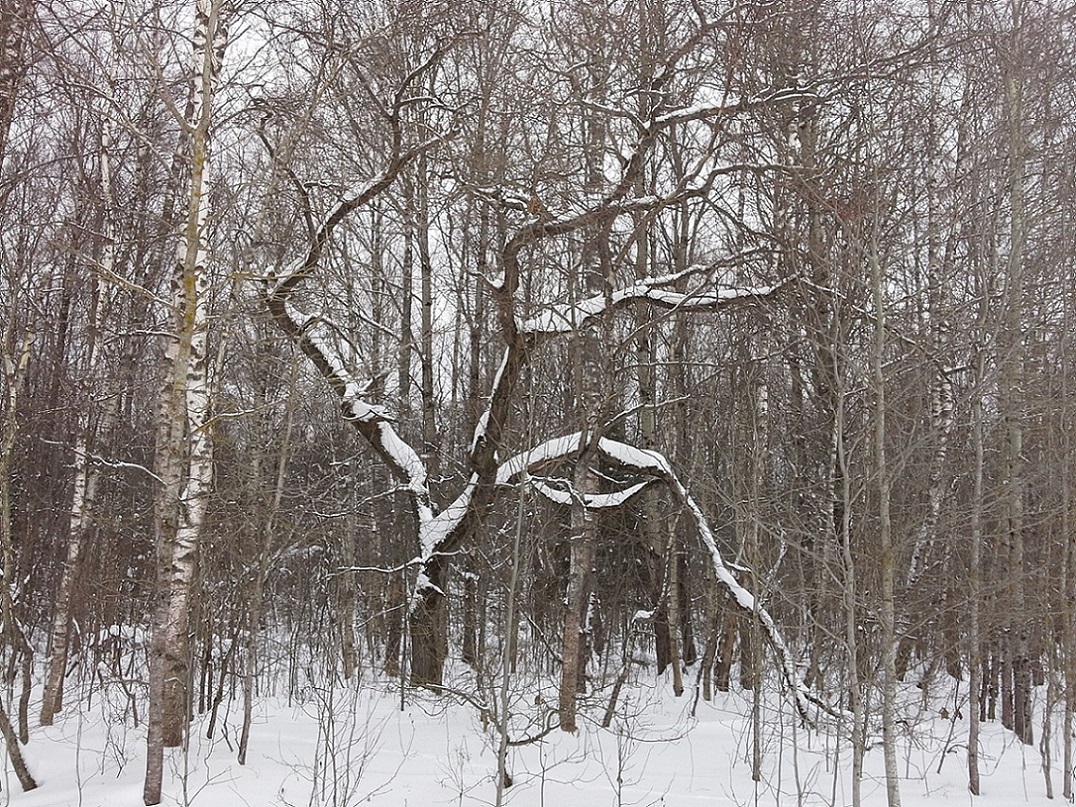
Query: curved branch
column 655, row 465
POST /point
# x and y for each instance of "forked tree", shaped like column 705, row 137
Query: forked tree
column 594, row 202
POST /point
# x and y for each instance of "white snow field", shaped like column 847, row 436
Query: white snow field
column 355, row 746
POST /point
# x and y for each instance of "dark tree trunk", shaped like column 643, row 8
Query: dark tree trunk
column 429, row 630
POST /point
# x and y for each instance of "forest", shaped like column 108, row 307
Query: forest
column 529, row 351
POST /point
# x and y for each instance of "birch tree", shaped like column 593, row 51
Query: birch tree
column 16, row 344
column 184, row 448
column 15, row 356
column 16, row 19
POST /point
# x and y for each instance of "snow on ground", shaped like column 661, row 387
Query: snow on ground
column 355, row 746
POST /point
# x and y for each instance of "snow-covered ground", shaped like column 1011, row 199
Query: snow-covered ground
column 353, row 746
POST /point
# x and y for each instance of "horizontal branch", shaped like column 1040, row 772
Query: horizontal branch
column 590, row 501
column 705, row 111
column 569, row 317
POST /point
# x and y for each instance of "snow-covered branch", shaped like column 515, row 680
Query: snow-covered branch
column 569, row 317
column 527, row 461
column 324, row 343
column 315, row 334
column 705, row 111
column 591, row 501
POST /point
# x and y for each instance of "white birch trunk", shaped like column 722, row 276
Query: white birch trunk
column 15, row 20
column 188, row 452
column 86, row 474
column 14, row 367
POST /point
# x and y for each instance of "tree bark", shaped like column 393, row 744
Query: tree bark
column 575, row 643
column 429, row 628
column 850, row 596
column 15, row 19
column 1011, row 361
column 18, row 762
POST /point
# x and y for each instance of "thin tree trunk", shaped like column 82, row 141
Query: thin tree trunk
column 975, row 661
column 470, row 620
column 12, row 633
column 18, row 763
column 887, row 614
column 588, row 377
column 672, row 593
column 15, row 19
column 429, row 616
column 1016, row 672
column 575, row 646
column 395, row 606
column 753, row 657
column 254, row 617
column 347, row 590
column 851, row 615
column 429, row 400
column 1068, row 571
column 1046, row 741
column 709, row 653
column 1069, row 611
column 257, row 596
column 508, row 658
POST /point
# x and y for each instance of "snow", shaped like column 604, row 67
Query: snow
column 358, row 745
column 423, row 583
column 411, row 464
column 592, row 501
column 434, row 530
column 702, row 110
column 544, row 452
column 634, row 457
column 565, row 446
column 483, row 422
column 695, row 112
column 360, row 409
